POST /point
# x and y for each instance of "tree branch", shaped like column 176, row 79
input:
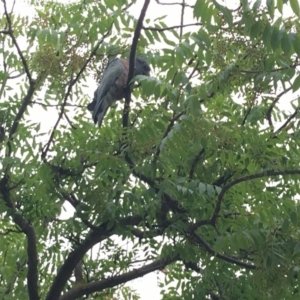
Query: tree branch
column 78, row 272
column 174, row 3
column 28, row 229
column 195, row 162
column 289, row 119
column 100, row 285
column 57, row 105
column 247, row 178
column 10, row 33
column 146, row 234
column 93, row 238
column 135, row 39
column 14, row 127
column 72, row 83
column 196, row 238
column 181, row 19
column 19, row 268
column 269, row 111
column 170, row 126
column 171, row 27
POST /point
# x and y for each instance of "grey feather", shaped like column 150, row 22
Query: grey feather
column 104, row 95
column 141, row 67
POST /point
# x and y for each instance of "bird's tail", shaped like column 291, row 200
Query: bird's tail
column 99, row 114
column 99, row 118
column 102, row 107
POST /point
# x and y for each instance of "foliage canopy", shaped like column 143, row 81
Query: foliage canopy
column 199, row 178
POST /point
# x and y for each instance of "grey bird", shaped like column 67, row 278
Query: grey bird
column 112, row 85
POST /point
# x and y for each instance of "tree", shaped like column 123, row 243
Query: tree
column 197, row 169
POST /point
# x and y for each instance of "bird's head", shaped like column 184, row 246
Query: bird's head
column 141, row 67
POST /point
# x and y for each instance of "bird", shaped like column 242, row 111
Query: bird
column 113, row 84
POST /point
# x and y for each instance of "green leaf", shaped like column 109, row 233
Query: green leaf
column 285, row 43
column 296, row 249
column 256, row 29
column 296, row 84
column 202, row 188
column 280, row 5
column 226, row 12
column 271, row 7
column 296, row 44
column 285, row 225
column 276, row 38
column 267, row 34
column 294, row 218
column 199, row 8
column 256, row 5
column 295, row 7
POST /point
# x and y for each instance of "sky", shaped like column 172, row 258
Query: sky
column 147, row 286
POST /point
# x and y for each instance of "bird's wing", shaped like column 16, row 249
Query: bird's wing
column 105, row 95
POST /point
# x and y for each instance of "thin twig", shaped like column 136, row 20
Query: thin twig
column 171, row 27
column 181, row 19
column 196, row 238
column 15, row 76
column 270, row 109
column 14, row 127
column 170, row 126
column 247, row 178
column 292, row 116
column 72, row 83
column 93, row 238
column 69, row 121
column 195, row 162
column 10, row 33
column 29, row 230
column 174, row 3
column 56, row 105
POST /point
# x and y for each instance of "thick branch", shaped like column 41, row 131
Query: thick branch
column 78, row 272
column 113, row 281
column 25, row 102
column 28, row 229
column 175, row 206
column 135, row 39
column 95, row 237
